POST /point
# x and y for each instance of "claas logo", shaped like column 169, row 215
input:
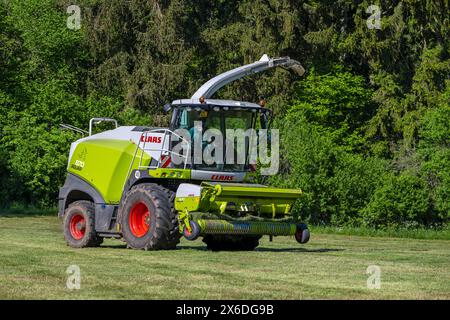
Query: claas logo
column 150, row 139
column 222, row 178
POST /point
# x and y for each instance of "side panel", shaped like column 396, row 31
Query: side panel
column 105, row 164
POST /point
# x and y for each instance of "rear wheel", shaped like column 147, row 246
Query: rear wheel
column 231, row 243
column 79, row 225
column 148, row 218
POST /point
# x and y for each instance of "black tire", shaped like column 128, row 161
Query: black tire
column 160, row 227
column 302, row 234
column 79, row 225
column 195, row 231
column 231, row 243
column 174, row 232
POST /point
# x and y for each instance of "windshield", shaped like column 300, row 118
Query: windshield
column 224, row 121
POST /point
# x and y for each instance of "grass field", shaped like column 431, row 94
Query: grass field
column 34, row 259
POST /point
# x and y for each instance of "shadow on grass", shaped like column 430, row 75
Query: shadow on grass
column 263, row 249
column 259, row 249
column 118, row 246
column 124, row 246
column 298, row 250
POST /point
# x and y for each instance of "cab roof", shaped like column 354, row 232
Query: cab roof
column 210, row 103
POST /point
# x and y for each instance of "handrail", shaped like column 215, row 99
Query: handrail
column 73, row 128
column 143, row 140
column 161, row 150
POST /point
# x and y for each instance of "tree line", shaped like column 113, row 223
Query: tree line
column 365, row 133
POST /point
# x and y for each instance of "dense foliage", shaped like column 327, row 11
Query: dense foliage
column 365, row 133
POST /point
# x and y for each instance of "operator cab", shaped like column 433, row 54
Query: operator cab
column 221, row 115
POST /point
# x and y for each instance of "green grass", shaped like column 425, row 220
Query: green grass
column 21, row 210
column 418, row 233
column 34, row 259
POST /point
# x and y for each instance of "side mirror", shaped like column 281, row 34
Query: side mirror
column 167, row 107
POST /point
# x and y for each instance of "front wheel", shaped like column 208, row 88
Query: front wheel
column 194, row 233
column 302, row 233
column 148, row 218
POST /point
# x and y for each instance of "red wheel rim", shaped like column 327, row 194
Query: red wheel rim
column 77, row 226
column 139, row 219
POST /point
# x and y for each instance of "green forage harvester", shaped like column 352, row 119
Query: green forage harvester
column 146, row 186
